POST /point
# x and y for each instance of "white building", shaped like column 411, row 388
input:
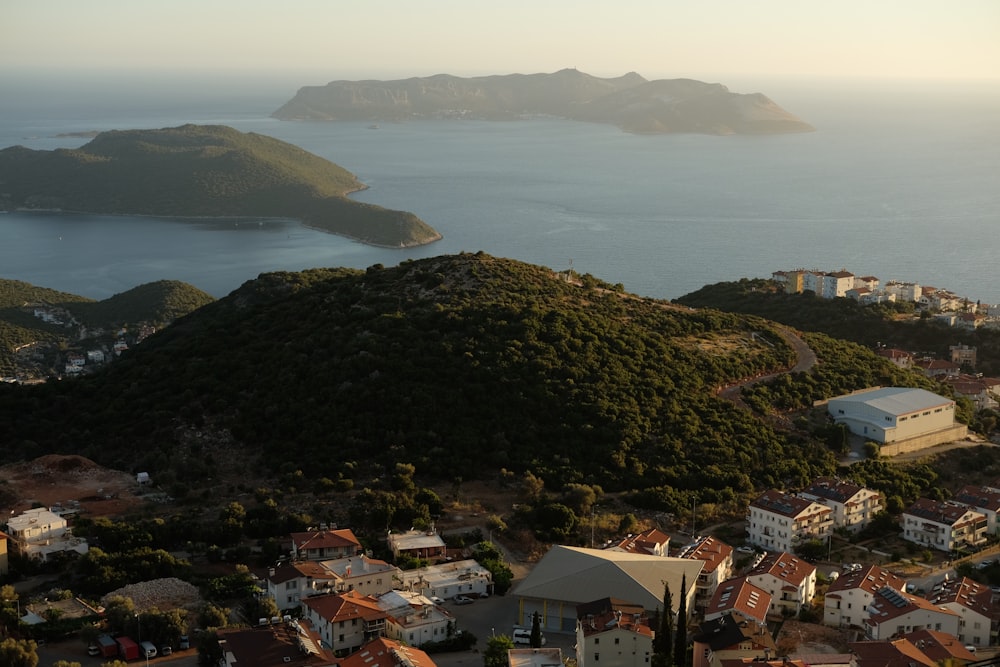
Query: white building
column 853, row 506
column 717, row 557
column 416, row 544
column 892, row 612
column 790, row 581
column 415, row 620
column 779, row 521
column 446, row 580
column 616, row 636
column 973, row 602
column 740, row 599
column 345, row 622
column 653, row 542
column 943, row 525
column 893, row 413
column 985, row 500
column 39, row 533
column 846, row 602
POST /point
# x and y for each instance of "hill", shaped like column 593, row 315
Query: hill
column 462, row 366
column 630, row 102
column 72, row 321
column 201, row 171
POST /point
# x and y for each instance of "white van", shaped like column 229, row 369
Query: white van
column 148, row 649
column 522, row 637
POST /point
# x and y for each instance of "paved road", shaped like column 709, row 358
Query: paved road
column 805, row 359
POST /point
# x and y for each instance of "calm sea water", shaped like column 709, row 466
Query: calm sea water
column 901, row 181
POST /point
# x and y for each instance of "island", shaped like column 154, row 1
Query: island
column 631, row 102
column 201, row 171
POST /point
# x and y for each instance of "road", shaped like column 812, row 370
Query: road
column 73, row 650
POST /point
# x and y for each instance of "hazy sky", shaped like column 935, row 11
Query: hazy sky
column 706, row 39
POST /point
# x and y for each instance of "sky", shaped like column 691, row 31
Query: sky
column 328, row 39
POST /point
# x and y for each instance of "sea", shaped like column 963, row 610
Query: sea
column 900, row 180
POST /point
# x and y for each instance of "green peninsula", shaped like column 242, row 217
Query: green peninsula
column 201, row 171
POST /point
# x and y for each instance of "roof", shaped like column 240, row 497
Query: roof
column 784, row 567
column 939, row 646
column 897, row 653
column 415, row 539
column 939, row 511
column 888, row 604
column 384, row 652
column 785, row 504
column 345, row 606
column 726, row 631
column 967, row 593
column 578, row 574
column 869, row 579
column 325, row 539
column 356, row 566
column 710, row 550
column 616, row 619
column 739, row 595
column 294, row 644
column 299, row 569
column 647, row 542
column 896, row 400
column 534, row 657
column 981, row 497
column 831, row 488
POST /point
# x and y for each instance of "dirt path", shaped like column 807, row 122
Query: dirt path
column 805, row 360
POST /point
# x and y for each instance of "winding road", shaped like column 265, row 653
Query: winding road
column 805, row 360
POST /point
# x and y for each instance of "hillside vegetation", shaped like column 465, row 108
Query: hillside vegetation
column 201, row 171
column 464, row 367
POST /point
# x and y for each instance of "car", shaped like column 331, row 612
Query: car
column 461, row 599
column 985, row 564
column 436, row 600
column 970, row 648
column 166, row 649
column 93, row 649
column 185, row 643
column 745, row 549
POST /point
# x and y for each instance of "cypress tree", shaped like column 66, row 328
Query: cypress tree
column 662, row 647
column 680, row 641
column 536, row 631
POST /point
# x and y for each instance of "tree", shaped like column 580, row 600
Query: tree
column 18, row 653
column 66, row 663
column 536, row 631
column 680, row 641
column 662, row 647
column 495, row 654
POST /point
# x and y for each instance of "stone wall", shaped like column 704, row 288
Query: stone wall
column 956, row 432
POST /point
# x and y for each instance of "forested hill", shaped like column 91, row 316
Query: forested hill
column 460, row 365
column 201, row 171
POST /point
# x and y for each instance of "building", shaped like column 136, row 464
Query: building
column 325, row 544
column 853, row 506
column 39, row 533
column 345, row 622
column 900, row 358
column 937, row 368
column 4, row 559
column 984, row 392
column 294, row 644
column 942, row 648
column 382, row 652
column 368, row 576
column 983, row 499
column 415, row 620
column 790, row 581
column 717, row 559
column 740, row 599
column 534, row 657
column 613, row 634
column 652, row 542
column 726, row 638
column 894, row 414
column 422, row 544
column 963, row 355
column 446, row 580
column 290, row 583
column 779, row 521
column 893, row 612
column 973, row 602
column 943, row 525
column 846, row 602
column 567, row 577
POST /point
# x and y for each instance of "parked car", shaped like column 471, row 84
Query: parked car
column 436, row 600
column 184, row 644
column 745, row 549
column 461, row 599
column 166, row 649
column 93, row 649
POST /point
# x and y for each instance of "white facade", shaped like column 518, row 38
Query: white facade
column 846, row 601
column 892, row 612
column 464, row 577
column 415, row 620
column 780, row 522
column 943, row 525
column 39, row 533
column 790, row 581
column 853, row 506
column 891, row 414
column 613, row 641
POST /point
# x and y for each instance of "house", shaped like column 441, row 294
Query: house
column 294, row 644
column 717, row 559
column 566, row 577
column 346, row 621
column 446, row 580
column 900, row 358
column 893, row 612
column 39, row 533
column 415, row 620
column 940, row 647
column 4, row 558
column 984, row 392
column 325, row 544
column 853, row 505
column 382, row 652
column 779, row 521
column 290, row 583
column 944, row 525
column 534, row 657
column 963, row 355
column 890, row 653
column 423, row 544
column 653, row 542
column 368, row 576
column 740, row 599
column 846, row 601
column 790, row 581
column 613, row 634
column 937, row 368
column 726, row 638
column 904, row 291
column 893, row 414
column 983, row 499
column 973, row 602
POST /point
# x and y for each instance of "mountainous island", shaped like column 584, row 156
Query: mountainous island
column 201, row 171
column 631, row 102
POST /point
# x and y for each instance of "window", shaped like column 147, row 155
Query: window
column 597, row 656
column 597, row 640
column 341, row 626
column 617, row 640
column 354, row 622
